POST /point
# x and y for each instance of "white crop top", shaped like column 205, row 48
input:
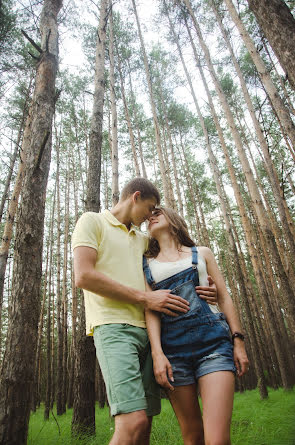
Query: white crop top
column 162, row 270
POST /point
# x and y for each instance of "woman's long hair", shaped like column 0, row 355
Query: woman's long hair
column 178, row 230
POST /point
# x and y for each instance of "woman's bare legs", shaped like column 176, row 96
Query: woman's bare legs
column 217, row 393
column 184, row 400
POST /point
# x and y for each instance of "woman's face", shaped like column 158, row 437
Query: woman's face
column 157, row 223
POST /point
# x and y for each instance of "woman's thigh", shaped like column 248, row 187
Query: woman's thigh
column 217, row 393
column 184, row 400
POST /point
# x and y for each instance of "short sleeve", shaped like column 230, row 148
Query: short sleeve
column 87, row 232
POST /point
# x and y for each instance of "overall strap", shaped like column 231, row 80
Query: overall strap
column 147, row 271
column 194, row 257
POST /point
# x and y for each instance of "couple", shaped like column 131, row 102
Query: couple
column 190, row 341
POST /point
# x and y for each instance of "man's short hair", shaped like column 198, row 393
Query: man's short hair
column 144, row 186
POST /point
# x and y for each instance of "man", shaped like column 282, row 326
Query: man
column 108, row 252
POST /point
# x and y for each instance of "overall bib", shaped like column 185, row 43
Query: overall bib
column 197, row 342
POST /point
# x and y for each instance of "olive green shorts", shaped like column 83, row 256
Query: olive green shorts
column 124, row 356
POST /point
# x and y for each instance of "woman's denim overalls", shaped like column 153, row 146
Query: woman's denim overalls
column 197, row 342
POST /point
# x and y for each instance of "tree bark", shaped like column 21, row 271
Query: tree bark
column 60, row 408
column 272, row 173
column 278, row 26
column 18, row 366
column 127, row 117
column 278, row 104
column 95, row 138
column 154, row 112
column 83, row 420
column 114, row 133
column 282, row 274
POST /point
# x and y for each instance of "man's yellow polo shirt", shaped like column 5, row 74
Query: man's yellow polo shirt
column 119, row 256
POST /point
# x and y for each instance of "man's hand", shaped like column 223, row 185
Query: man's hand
column 163, row 371
column 208, row 293
column 163, row 301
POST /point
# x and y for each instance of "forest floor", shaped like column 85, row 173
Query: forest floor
column 254, row 422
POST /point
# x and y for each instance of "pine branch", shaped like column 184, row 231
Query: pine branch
column 32, row 42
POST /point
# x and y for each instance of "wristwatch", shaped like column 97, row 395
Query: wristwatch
column 237, row 335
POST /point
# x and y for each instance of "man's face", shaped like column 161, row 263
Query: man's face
column 142, row 209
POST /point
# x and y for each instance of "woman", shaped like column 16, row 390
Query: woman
column 203, row 347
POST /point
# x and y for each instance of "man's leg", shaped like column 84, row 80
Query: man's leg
column 118, row 347
column 131, row 429
column 152, row 392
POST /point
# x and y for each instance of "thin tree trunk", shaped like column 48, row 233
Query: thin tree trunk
column 53, row 356
column 127, row 117
column 18, row 367
column 278, row 26
column 278, row 104
column 248, row 233
column 65, row 294
column 287, row 286
column 60, row 409
column 135, row 115
column 154, row 112
column 48, row 333
column 95, row 139
column 115, row 156
column 84, row 401
column 272, row 173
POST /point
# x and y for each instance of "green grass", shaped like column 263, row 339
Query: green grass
column 255, row 422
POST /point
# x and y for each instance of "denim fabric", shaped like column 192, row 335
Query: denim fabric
column 198, row 342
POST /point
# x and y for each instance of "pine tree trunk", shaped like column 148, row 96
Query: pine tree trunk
column 154, row 112
column 278, row 104
column 17, row 147
column 278, row 26
column 272, row 173
column 13, row 205
column 248, row 233
column 127, row 117
column 134, row 113
column 115, row 156
column 65, row 294
column 95, row 139
column 282, row 274
column 73, row 344
column 18, row 367
column 83, row 420
column 60, row 409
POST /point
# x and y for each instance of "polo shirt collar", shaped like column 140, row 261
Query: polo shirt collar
column 115, row 222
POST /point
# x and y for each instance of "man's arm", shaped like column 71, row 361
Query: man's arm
column 88, row 278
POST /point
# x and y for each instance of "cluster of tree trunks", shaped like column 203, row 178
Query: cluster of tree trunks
column 48, row 356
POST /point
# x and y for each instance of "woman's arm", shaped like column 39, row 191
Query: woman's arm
column 162, row 367
column 226, row 305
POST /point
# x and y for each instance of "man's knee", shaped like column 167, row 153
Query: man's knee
column 133, row 425
column 141, row 422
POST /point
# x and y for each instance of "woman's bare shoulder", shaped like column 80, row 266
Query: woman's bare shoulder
column 206, row 252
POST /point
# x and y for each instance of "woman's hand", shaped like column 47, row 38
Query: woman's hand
column 240, row 357
column 208, row 293
column 163, row 371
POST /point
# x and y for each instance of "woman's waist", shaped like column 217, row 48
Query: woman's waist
column 193, row 319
